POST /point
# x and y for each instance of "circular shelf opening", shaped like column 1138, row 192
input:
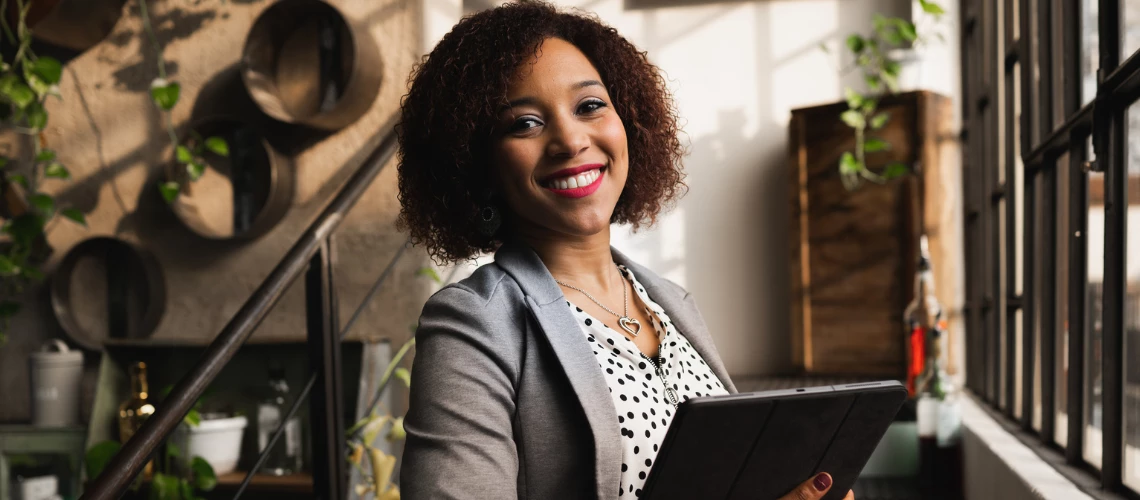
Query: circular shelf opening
column 108, row 288
column 304, row 62
column 239, row 196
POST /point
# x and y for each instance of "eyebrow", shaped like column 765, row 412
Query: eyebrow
column 527, row 101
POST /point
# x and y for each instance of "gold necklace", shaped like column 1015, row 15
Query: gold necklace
column 624, row 321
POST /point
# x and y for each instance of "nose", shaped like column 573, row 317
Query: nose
column 568, row 138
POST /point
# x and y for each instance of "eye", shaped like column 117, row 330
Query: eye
column 591, row 106
column 524, row 123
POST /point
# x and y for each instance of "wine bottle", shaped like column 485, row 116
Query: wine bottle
column 137, row 408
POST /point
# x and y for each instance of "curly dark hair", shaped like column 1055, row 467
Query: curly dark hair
column 448, row 120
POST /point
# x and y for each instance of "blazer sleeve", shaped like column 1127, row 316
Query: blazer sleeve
column 460, row 440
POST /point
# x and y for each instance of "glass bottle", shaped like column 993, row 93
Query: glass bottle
column 137, row 407
column 920, row 317
column 939, row 424
column 285, row 456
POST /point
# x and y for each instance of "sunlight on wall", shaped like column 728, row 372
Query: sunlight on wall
column 737, row 69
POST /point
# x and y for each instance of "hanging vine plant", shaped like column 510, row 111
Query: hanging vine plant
column 27, row 81
column 880, row 70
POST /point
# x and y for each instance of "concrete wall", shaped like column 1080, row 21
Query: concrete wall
column 737, row 69
column 107, row 131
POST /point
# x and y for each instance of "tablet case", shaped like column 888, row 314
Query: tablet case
column 760, row 446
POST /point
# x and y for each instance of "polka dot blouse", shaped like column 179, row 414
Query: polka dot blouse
column 645, row 390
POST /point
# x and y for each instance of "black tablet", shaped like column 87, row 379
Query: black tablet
column 761, row 445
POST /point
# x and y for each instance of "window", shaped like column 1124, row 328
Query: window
column 1053, row 232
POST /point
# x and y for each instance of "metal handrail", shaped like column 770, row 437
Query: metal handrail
column 126, row 464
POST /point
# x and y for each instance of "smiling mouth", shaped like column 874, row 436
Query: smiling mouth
column 578, row 185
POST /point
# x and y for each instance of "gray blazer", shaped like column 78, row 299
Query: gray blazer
column 507, row 400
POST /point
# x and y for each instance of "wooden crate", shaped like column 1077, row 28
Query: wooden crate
column 853, row 253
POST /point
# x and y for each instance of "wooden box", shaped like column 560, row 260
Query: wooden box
column 853, row 253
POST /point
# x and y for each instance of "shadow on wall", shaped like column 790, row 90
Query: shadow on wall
column 733, row 222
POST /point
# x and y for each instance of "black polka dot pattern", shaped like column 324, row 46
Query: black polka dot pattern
column 625, row 367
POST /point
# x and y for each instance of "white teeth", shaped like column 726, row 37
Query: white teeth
column 581, row 180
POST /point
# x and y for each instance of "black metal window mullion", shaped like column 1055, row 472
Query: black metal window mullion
column 975, row 375
column 1115, row 208
column 1078, row 275
column 997, row 193
column 1029, row 294
column 1047, row 288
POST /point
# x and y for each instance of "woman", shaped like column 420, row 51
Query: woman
column 553, row 372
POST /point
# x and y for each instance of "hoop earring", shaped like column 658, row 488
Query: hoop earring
column 488, row 220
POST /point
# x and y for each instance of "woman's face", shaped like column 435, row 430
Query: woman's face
column 560, row 152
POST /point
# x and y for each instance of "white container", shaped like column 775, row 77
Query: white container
column 56, row 376
column 217, row 441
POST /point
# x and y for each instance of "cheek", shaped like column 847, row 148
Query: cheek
column 514, row 163
column 612, row 135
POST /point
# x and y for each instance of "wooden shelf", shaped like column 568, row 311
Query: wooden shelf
column 302, row 482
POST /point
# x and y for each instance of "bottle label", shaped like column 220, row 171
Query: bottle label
column 917, row 343
column 927, row 416
column 949, row 423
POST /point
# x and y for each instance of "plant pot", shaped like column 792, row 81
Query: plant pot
column 304, row 62
column 241, row 196
column 217, row 441
column 72, row 24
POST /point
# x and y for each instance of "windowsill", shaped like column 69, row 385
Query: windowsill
column 1002, row 461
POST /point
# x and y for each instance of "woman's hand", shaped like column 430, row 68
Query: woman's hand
column 814, row 489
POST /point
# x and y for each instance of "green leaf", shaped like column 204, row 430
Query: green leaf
column 931, row 7
column 397, row 430
column 854, row 99
column 19, row 179
column 853, row 118
column 907, row 31
column 874, row 83
column 43, row 202
column 430, row 273
column 404, row 376
column 37, row 115
column 204, row 477
column 57, row 171
column 32, row 273
column 182, row 154
column 172, row 450
column 45, row 155
column 869, row 106
column 856, row 43
column 49, row 69
column 192, row 418
column 185, row 490
column 7, row 267
column 896, row 169
column 9, row 309
column 165, row 487
column 848, row 164
column 170, row 191
column 75, row 216
column 16, row 91
column 165, row 94
column 25, row 228
column 195, row 169
column 37, row 84
column 879, row 120
column 873, row 145
column 218, row 146
column 892, row 68
column 892, row 82
column 98, row 456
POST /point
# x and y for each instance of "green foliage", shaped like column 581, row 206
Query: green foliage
column 871, row 54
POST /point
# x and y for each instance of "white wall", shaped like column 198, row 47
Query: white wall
column 736, row 70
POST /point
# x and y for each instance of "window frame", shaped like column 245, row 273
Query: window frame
column 994, row 44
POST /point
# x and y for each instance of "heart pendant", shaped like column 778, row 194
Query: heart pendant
column 626, row 323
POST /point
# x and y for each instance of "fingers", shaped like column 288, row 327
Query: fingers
column 812, row 489
column 850, row 495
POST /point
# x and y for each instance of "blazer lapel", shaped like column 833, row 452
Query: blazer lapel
column 684, row 314
column 548, row 306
